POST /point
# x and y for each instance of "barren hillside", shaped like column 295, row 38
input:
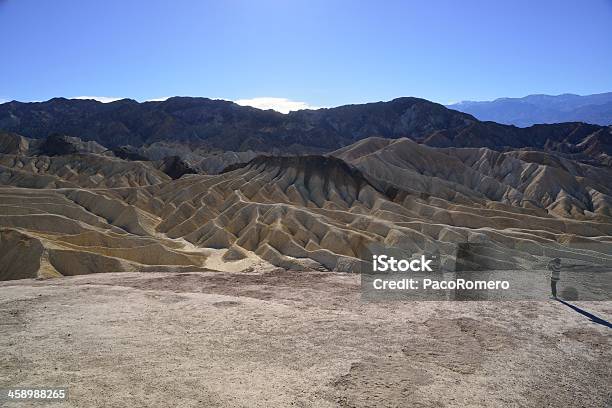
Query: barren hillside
column 86, row 212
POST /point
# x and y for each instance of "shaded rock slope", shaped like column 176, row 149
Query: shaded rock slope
column 230, row 127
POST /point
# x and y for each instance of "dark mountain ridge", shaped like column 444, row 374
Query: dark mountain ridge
column 228, row 126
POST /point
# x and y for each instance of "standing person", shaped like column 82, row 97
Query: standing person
column 554, row 267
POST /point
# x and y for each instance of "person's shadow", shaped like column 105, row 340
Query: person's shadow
column 594, row 319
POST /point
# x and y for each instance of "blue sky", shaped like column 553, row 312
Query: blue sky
column 319, row 53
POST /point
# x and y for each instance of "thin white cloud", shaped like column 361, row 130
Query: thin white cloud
column 282, row 105
column 103, row 99
column 160, row 99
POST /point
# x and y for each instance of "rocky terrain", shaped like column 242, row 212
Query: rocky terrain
column 283, row 338
column 84, row 210
column 199, row 244
column 523, row 178
column 197, row 157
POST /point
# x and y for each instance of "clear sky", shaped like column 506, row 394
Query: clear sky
column 321, row 53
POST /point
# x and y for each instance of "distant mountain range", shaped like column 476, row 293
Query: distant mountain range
column 533, row 109
column 225, row 126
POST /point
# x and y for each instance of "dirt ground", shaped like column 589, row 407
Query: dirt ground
column 282, row 339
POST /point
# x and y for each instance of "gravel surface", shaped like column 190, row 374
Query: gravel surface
column 282, row 338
